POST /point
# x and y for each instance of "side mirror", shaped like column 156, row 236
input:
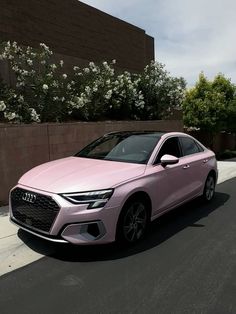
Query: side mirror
column 169, row 160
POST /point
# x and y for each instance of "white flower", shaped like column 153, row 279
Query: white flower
column 62, row 98
column 24, row 72
column 108, row 95
column 2, row 105
column 30, row 62
column 55, row 84
column 79, row 102
column 20, row 84
column 42, row 45
column 15, row 68
column 140, row 104
column 75, row 68
column 34, row 116
column 61, row 63
column 10, row 115
column 53, row 66
column 21, row 99
column 46, row 48
column 43, row 62
column 113, row 61
column 87, row 89
column 28, row 50
column 86, row 70
column 91, row 64
column 55, row 98
column 64, row 76
column 45, row 87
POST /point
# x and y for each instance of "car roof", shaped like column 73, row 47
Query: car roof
column 157, row 133
column 160, row 134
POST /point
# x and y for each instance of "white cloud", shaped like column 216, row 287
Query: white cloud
column 190, row 36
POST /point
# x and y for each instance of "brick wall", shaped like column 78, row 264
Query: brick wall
column 25, row 146
column 72, row 28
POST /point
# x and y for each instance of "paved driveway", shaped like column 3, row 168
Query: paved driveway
column 187, row 264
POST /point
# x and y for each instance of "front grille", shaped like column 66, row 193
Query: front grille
column 35, row 211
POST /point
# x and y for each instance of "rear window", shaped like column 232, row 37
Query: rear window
column 189, row 146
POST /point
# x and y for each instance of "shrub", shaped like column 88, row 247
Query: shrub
column 211, row 105
column 161, row 92
column 44, row 93
column 41, row 93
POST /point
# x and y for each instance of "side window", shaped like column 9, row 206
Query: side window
column 189, row 146
column 170, row 147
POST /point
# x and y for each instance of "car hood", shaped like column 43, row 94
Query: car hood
column 75, row 174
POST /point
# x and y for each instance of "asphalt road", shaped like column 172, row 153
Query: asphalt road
column 186, row 264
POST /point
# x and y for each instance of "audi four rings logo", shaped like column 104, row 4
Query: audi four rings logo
column 29, row 197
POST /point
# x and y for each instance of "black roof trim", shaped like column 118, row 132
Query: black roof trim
column 138, row 132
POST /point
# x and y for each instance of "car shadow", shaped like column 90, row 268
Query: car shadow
column 160, row 230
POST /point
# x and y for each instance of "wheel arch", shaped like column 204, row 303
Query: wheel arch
column 213, row 173
column 141, row 195
column 135, row 195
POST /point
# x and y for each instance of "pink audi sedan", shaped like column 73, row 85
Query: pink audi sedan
column 113, row 188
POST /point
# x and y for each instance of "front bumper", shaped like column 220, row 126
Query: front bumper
column 72, row 224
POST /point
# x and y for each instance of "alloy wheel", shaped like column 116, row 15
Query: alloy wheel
column 135, row 222
column 209, row 188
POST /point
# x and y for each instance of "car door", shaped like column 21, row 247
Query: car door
column 195, row 160
column 168, row 183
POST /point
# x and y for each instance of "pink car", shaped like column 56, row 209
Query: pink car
column 113, row 188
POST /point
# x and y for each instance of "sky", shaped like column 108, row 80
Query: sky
column 190, row 35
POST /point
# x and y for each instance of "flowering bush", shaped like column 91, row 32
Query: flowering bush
column 43, row 92
column 99, row 93
column 160, row 90
column 40, row 93
column 3, row 98
column 92, row 90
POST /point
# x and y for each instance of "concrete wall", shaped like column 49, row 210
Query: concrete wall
column 72, row 28
column 25, row 146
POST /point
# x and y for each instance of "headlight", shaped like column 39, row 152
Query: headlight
column 94, row 199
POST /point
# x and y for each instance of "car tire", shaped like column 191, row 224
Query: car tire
column 209, row 188
column 133, row 221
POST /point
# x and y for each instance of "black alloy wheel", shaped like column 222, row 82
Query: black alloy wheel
column 133, row 221
column 209, row 189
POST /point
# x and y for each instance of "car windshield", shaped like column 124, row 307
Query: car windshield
column 123, row 147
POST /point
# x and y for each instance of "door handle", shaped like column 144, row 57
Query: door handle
column 205, row 160
column 186, row 167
